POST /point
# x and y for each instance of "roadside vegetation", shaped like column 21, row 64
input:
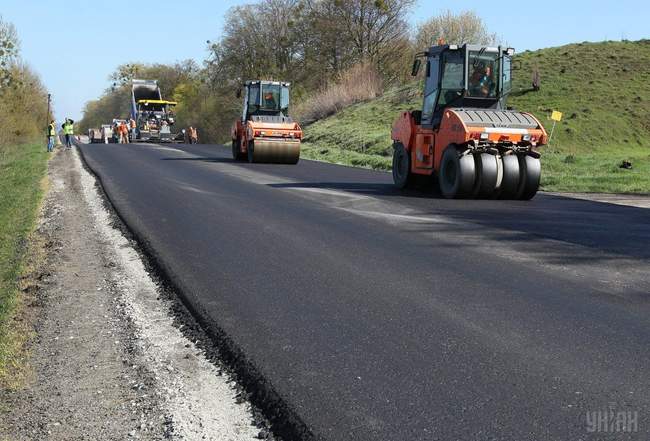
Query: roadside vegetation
column 23, row 112
column 23, row 163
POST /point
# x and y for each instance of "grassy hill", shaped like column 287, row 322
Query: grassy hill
column 603, row 90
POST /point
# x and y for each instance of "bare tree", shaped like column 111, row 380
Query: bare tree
column 343, row 33
column 464, row 27
column 8, row 51
column 258, row 42
column 325, row 47
column 372, row 26
column 124, row 73
column 281, row 40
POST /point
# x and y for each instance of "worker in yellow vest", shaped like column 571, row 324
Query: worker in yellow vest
column 68, row 131
column 51, row 135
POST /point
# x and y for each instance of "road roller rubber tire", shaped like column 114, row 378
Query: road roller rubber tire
column 273, row 151
column 530, row 174
column 487, row 175
column 402, row 177
column 236, row 154
column 457, row 174
column 511, row 177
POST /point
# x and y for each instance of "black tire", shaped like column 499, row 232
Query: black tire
column 530, row 172
column 511, row 177
column 457, row 173
column 402, row 177
column 487, row 175
column 236, row 155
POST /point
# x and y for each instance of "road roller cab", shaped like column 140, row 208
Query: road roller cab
column 465, row 135
column 265, row 132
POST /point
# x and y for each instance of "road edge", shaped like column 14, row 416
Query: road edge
column 282, row 418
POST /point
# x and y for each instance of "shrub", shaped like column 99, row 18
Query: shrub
column 360, row 83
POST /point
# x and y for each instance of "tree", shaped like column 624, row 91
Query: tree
column 23, row 112
column 308, row 42
column 464, row 27
column 8, row 51
column 24, row 105
column 347, row 32
column 259, row 41
column 125, row 73
column 324, row 46
column 168, row 76
column 373, row 26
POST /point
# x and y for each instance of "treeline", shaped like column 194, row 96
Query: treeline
column 23, row 112
column 334, row 52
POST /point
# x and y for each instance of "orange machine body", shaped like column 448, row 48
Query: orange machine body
column 243, row 132
column 426, row 145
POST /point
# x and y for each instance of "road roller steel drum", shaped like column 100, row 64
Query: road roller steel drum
column 280, row 151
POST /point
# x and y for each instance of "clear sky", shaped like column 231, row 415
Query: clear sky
column 74, row 45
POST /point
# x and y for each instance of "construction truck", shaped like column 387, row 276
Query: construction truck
column 153, row 116
column 107, row 133
column 265, row 132
column 465, row 135
column 95, row 136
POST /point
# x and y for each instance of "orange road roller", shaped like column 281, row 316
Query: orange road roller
column 265, row 132
column 465, row 135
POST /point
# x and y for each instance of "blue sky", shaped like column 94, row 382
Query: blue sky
column 74, row 45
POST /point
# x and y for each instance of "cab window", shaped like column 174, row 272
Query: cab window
column 271, row 97
column 284, row 100
column 453, row 79
column 254, row 96
column 483, row 74
column 507, row 74
column 430, row 89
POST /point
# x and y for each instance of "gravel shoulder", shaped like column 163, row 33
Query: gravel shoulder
column 108, row 359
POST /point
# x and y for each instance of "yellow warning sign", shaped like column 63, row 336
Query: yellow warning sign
column 556, row 116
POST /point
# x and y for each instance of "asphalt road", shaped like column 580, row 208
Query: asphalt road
column 383, row 315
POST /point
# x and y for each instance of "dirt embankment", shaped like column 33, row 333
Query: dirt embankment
column 107, row 361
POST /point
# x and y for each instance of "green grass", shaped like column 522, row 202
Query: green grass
column 601, row 88
column 22, row 169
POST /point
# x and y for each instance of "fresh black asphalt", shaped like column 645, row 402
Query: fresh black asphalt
column 380, row 315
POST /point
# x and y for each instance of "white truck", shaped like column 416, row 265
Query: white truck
column 107, row 133
column 94, row 136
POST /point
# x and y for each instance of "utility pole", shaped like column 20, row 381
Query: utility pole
column 49, row 101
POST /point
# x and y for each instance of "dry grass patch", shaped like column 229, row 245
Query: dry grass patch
column 360, row 83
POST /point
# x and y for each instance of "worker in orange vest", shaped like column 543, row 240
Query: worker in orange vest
column 132, row 127
column 124, row 133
